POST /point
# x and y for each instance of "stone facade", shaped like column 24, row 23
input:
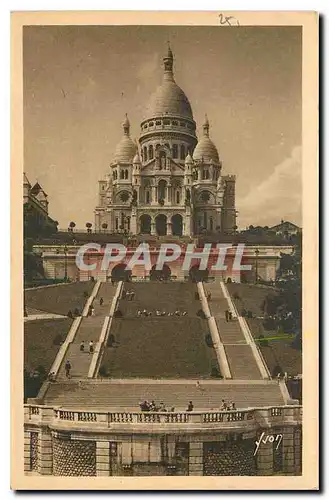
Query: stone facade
column 170, row 183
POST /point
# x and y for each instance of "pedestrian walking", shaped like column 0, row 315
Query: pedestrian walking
column 67, row 369
column 101, row 301
column 227, row 315
column 91, row 347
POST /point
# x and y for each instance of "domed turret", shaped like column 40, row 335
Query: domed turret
column 169, row 99
column 205, row 149
column 189, row 159
column 126, row 149
column 136, row 160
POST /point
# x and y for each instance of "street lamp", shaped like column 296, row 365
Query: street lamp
column 256, row 274
column 65, row 263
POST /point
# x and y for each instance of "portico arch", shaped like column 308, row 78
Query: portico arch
column 161, row 225
column 145, row 224
column 177, row 225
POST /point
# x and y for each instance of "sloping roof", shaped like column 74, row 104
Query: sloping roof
column 285, row 224
column 37, row 189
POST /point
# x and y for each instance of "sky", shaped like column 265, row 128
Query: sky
column 79, row 81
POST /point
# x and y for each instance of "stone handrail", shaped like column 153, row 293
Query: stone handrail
column 264, row 416
column 91, row 298
column 262, row 366
column 97, row 356
column 63, row 349
column 215, row 336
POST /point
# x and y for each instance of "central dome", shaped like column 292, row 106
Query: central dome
column 169, row 99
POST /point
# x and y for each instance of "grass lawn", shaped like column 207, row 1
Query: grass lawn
column 39, row 336
column 166, row 347
column 278, row 352
column 59, row 299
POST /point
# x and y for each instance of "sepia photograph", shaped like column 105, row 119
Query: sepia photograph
column 163, row 321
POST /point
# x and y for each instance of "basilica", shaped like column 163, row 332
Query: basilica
column 171, row 182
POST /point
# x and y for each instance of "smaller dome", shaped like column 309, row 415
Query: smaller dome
column 188, row 159
column 136, row 159
column 206, row 149
column 126, row 149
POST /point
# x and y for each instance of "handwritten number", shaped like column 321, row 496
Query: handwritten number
column 228, row 20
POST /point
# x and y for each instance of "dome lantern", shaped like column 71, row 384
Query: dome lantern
column 126, row 149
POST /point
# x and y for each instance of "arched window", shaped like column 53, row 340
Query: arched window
column 162, row 160
column 148, row 198
column 177, row 197
column 182, row 152
column 207, row 174
column 121, row 174
column 128, row 223
column 145, row 153
column 116, row 223
column 211, row 224
column 175, row 151
column 126, row 173
column 151, row 152
column 157, row 146
column 162, row 190
column 167, row 145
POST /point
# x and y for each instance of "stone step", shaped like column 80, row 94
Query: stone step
column 80, row 362
column 242, row 362
column 90, row 329
column 230, row 331
column 127, row 396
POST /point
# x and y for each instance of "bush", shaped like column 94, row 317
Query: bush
column 269, row 324
column 58, row 339
column 215, row 373
column 118, row 314
column 110, row 340
column 236, row 296
column 263, row 341
column 208, row 340
column 103, row 371
column 249, row 314
column 201, row 314
column 277, row 369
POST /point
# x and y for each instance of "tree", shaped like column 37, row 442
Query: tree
column 88, row 226
column 71, row 226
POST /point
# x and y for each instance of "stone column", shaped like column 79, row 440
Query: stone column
column 298, row 450
column 45, row 452
column 153, row 195
column 288, row 450
column 27, row 451
column 196, row 458
column 169, row 228
column 153, row 232
column 264, row 458
column 102, row 458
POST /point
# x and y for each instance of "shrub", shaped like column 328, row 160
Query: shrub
column 118, row 314
column 208, row 340
column 201, row 314
column 236, row 296
column 103, row 371
column 58, row 339
column 249, row 314
column 277, row 369
column 215, row 373
column 269, row 324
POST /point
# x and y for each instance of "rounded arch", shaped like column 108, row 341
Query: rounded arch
column 151, row 152
column 177, row 225
column 161, row 225
column 145, row 224
column 120, row 273
column 197, row 274
column 162, row 186
column 162, row 274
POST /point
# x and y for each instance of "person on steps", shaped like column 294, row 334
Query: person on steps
column 101, row 301
column 190, row 406
column 82, row 346
column 67, row 369
column 91, row 347
column 226, row 315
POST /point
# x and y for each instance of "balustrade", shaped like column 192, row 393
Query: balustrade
column 284, row 413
